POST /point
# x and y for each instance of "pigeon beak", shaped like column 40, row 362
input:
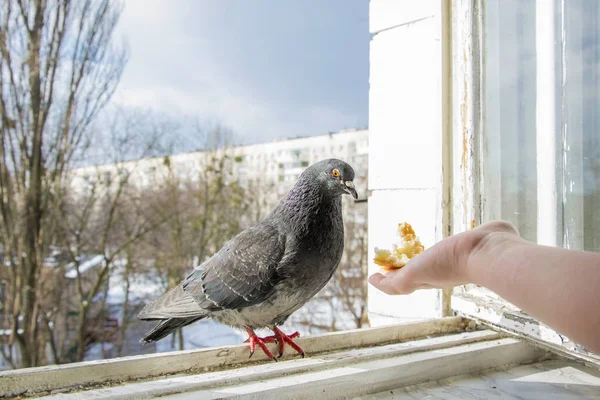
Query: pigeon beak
column 350, row 189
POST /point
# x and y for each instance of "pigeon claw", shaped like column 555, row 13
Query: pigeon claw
column 270, row 339
column 282, row 338
column 278, row 337
column 255, row 340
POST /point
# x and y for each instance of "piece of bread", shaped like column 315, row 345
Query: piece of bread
column 407, row 247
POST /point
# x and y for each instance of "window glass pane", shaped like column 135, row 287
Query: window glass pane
column 512, row 151
column 510, row 178
column 581, row 186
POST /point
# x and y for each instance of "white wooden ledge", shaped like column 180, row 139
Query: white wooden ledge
column 503, row 316
column 78, row 376
column 336, row 375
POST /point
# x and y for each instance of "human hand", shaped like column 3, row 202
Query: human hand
column 446, row 264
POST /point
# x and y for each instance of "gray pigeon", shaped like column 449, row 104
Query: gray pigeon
column 267, row 272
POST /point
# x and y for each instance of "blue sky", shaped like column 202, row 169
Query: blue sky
column 265, row 68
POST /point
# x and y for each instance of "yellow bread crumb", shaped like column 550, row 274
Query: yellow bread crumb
column 407, row 247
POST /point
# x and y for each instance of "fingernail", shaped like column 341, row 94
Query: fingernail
column 375, row 279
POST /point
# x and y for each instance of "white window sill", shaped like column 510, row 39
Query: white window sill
column 338, row 365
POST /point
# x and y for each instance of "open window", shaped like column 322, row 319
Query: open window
column 526, row 135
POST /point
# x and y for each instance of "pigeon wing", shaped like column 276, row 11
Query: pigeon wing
column 173, row 304
column 243, row 273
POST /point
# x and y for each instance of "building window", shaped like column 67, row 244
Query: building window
column 352, row 147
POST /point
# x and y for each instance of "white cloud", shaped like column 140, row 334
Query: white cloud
column 181, row 69
column 253, row 119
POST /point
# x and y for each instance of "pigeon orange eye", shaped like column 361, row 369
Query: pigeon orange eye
column 335, row 173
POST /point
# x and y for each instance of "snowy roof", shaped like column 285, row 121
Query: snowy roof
column 89, row 263
column 148, row 285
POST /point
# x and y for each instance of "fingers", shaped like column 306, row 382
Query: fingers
column 377, row 280
column 382, row 283
column 393, row 282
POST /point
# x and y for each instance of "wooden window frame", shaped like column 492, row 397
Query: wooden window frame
column 465, row 173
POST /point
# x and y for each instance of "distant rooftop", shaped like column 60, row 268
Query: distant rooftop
column 234, row 146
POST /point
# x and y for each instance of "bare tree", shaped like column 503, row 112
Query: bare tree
column 131, row 266
column 350, row 281
column 261, row 192
column 104, row 223
column 105, row 219
column 58, row 68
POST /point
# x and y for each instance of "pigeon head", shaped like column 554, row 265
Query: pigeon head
column 334, row 176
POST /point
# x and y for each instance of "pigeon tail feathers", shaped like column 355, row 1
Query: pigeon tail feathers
column 166, row 327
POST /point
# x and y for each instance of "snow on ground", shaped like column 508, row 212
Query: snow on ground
column 204, row 333
column 142, row 286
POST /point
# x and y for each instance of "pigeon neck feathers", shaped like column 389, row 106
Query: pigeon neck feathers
column 307, row 205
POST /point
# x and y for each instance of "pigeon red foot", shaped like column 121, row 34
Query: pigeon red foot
column 278, row 337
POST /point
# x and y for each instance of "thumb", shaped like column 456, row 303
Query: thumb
column 391, row 283
column 376, row 278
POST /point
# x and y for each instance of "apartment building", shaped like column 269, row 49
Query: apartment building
column 274, row 165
